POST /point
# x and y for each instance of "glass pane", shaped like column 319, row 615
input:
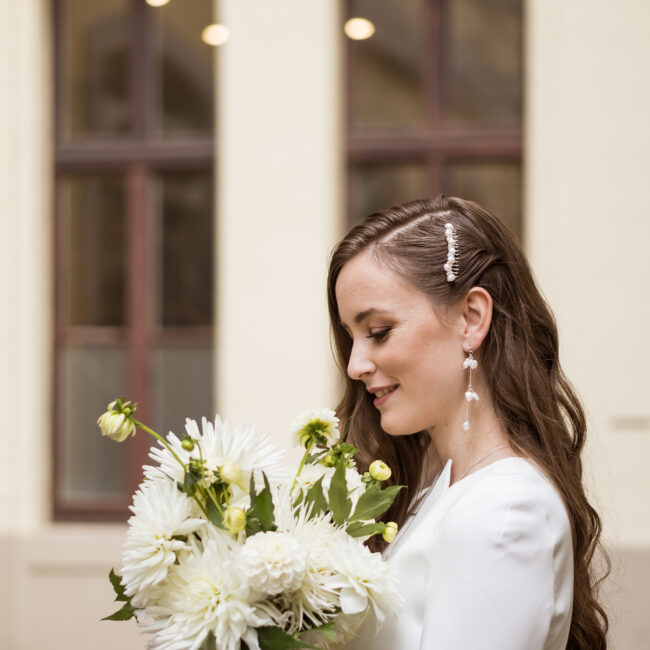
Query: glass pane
column 89, row 464
column 95, row 67
column 378, row 186
column 387, row 78
column 184, row 68
column 92, row 219
column 183, row 386
column 495, row 185
column 482, row 76
column 185, row 217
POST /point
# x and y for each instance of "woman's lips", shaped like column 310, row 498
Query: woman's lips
column 384, row 396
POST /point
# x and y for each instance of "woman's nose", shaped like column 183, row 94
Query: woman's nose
column 359, row 364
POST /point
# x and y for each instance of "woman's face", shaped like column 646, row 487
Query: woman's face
column 408, row 358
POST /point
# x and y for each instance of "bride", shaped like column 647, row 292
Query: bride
column 450, row 357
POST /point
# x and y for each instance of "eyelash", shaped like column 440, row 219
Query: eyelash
column 380, row 336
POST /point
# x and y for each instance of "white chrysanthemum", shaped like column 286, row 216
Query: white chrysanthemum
column 316, row 600
column 205, row 593
column 319, row 425
column 363, row 579
column 161, row 514
column 273, row 563
column 218, row 444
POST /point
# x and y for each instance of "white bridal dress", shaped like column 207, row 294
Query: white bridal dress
column 485, row 564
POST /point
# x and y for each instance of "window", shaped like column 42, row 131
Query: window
column 133, row 231
column 435, row 104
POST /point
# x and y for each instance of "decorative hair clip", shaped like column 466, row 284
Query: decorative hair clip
column 451, row 266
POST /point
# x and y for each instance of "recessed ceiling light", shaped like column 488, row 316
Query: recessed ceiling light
column 359, row 29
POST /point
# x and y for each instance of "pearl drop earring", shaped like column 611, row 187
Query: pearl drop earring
column 470, row 395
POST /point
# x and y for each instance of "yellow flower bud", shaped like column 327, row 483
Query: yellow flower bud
column 230, row 472
column 114, row 425
column 390, row 531
column 234, row 520
column 379, row 470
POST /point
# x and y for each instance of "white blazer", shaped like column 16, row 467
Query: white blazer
column 485, row 564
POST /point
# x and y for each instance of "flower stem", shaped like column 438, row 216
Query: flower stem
column 213, row 498
column 302, row 464
column 158, row 437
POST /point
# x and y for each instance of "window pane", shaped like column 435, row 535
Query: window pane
column 482, row 77
column 378, row 186
column 89, row 464
column 92, row 219
column 495, row 185
column 185, row 217
column 184, row 69
column 96, row 60
column 386, row 71
column 183, row 386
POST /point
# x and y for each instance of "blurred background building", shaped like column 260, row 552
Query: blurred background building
column 173, row 175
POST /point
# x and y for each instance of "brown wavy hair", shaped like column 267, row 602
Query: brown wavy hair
column 542, row 415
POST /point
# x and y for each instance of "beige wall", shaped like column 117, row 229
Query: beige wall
column 588, row 137
column 588, row 227
column 279, row 198
column 279, row 206
column 25, row 298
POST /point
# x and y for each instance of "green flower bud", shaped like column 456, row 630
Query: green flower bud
column 379, row 470
column 390, row 531
column 187, row 444
column 234, row 520
column 315, row 427
column 115, row 425
column 329, row 460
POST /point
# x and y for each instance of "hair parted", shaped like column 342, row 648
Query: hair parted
column 542, row 414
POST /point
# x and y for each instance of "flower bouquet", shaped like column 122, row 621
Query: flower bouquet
column 225, row 551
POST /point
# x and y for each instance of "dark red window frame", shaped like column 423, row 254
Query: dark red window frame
column 138, row 157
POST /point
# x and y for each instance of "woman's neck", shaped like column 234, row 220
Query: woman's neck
column 450, row 440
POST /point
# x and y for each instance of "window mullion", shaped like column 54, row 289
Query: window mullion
column 140, row 282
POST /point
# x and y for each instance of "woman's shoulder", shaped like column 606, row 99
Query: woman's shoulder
column 510, row 499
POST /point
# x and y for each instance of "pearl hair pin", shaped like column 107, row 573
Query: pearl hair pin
column 451, row 265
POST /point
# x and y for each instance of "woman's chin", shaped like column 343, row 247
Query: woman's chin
column 393, row 428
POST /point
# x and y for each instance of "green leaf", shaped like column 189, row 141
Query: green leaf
column 359, row 529
column 260, row 517
column 118, row 588
column 192, row 477
column 275, row 638
column 340, row 504
column 374, row 502
column 126, row 612
column 209, row 643
column 214, row 514
column 316, row 497
column 265, row 508
column 327, row 629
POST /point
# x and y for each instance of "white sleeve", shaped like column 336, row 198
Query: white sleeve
column 502, row 577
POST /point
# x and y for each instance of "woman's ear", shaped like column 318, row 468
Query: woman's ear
column 477, row 316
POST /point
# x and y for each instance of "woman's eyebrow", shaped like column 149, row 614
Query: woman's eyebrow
column 362, row 315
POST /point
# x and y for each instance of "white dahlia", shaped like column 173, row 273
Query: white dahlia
column 205, row 593
column 363, row 579
column 316, row 599
column 161, row 518
column 220, row 444
column 273, row 563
